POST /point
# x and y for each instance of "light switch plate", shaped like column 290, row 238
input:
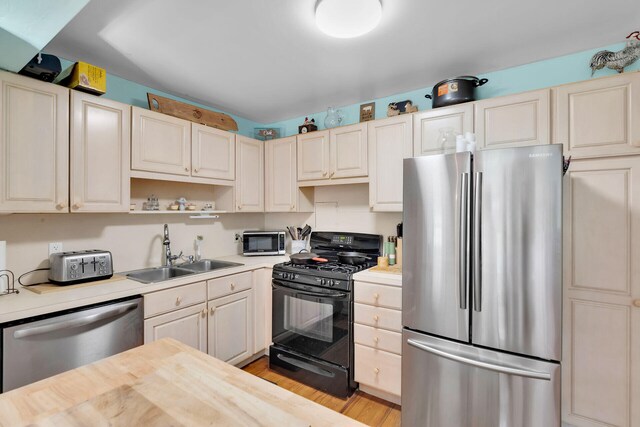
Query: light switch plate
column 55, row 247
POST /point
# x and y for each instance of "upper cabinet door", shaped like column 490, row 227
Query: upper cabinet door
column 348, row 147
column 213, row 153
column 390, row 142
column 281, row 187
column 313, row 155
column 514, row 120
column 34, row 145
column 599, row 117
column 250, row 176
column 428, row 125
column 160, row 143
column 100, row 144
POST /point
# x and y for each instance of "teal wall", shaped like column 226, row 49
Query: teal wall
column 128, row 92
column 537, row 75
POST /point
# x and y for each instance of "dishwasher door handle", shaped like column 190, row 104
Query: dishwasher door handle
column 112, row 311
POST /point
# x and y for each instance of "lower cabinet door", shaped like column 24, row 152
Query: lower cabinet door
column 231, row 332
column 188, row 325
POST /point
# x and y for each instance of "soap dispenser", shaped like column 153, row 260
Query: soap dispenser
column 197, row 243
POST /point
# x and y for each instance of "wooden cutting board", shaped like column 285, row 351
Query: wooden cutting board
column 394, row 269
column 46, row 288
column 190, row 112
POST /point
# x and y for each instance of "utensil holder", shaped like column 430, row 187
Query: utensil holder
column 298, row 245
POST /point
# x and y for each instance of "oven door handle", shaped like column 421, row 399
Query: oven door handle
column 312, row 294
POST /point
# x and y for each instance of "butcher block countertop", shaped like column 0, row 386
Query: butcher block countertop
column 164, row 383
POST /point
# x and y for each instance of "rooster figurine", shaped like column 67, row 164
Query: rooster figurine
column 618, row 60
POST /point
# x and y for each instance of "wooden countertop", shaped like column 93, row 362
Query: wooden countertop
column 164, row 383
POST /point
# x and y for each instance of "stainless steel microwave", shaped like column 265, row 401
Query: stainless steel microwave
column 256, row 243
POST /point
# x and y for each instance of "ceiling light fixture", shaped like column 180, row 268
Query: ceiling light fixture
column 346, row 19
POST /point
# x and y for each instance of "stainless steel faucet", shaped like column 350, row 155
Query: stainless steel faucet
column 166, row 244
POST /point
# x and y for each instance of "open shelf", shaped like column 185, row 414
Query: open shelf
column 166, row 212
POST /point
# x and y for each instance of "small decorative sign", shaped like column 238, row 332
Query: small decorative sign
column 367, row 112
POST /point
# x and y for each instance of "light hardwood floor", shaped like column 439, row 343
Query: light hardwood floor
column 360, row 406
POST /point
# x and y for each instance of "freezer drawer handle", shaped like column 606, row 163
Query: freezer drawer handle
column 483, row 365
column 75, row 323
column 463, row 239
column 477, row 242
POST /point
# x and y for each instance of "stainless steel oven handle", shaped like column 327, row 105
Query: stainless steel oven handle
column 479, row 364
column 313, row 294
column 75, row 323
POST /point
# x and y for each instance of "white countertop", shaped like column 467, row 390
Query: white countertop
column 28, row 304
column 384, row 278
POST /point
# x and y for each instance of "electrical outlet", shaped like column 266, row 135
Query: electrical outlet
column 55, row 247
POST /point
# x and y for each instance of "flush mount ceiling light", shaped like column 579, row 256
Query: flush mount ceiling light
column 347, row 18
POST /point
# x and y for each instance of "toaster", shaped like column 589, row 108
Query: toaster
column 67, row 268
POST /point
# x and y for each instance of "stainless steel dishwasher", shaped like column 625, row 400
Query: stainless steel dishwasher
column 37, row 348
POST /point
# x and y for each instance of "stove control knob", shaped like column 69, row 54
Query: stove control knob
column 323, row 282
column 331, row 282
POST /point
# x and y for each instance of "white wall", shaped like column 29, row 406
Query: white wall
column 340, row 208
column 134, row 240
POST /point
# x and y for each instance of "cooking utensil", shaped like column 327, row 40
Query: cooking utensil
column 306, row 231
column 353, row 258
column 306, row 258
column 455, row 91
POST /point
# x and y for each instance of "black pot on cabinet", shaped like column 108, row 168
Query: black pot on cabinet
column 455, row 91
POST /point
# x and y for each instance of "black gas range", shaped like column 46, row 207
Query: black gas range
column 313, row 313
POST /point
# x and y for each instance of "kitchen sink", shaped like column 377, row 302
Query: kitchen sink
column 208, row 265
column 158, row 274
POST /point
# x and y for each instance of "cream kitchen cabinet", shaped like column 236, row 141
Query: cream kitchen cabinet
column 213, row 152
column 99, row 155
column 390, row 142
column 378, row 334
column 167, row 148
column 513, row 121
column 179, row 313
column 34, row 145
column 160, row 143
column 427, row 126
column 231, row 327
column 281, row 191
column 601, row 337
column 250, row 175
column 333, row 156
column 599, row 117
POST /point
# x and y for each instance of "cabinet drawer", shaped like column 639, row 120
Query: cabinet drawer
column 173, row 299
column 378, row 369
column 378, row 338
column 378, row 317
column 378, row 295
column 229, row 284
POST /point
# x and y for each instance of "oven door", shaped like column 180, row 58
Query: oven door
column 313, row 321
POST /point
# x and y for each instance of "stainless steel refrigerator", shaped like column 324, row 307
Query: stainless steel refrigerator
column 482, row 288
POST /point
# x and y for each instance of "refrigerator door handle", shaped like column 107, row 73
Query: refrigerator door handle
column 477, row 240
column 509, row 370
column 463, row 276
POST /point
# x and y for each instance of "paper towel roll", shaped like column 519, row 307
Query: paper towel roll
column 3, row 265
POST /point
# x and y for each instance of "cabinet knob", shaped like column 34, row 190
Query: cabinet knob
column 324, row 173
column 636, row 303
column 332, row 173
column 76, row 206
column 376, row 318
column 239, row 207
column 186, row 169
column 195, row 170
column 204, row 312
column 376, row 296
column 61, row 206
column 376, row 371
column 293, row 207
column 178, row 300
column 212, row 310
column 376, row 339
column 233, row 286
